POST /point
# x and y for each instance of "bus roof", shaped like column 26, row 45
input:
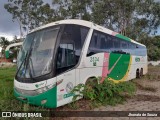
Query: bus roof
column 87, row 24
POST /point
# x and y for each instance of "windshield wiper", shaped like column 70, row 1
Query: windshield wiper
column 24, row 61
column 27, row 62
column 31, row 63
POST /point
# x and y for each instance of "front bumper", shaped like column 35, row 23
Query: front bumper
column 47, row 99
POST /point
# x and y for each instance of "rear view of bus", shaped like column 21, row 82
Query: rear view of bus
column 46, row 53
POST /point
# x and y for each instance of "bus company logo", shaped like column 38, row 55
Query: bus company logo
column 137, row 59
column 6, row 114
column 38, row 85
column 69, row 87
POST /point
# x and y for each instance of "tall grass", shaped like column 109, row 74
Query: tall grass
column 7, row 100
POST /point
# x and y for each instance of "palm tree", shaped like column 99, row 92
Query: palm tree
column 4, row 43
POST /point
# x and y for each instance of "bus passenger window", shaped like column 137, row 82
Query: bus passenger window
column 71, row 43
column 94, row 41
column 124, row 45
column 116, row 43
column 109, row 42
column 93, row 47
column 65, row 57
column 103, row 41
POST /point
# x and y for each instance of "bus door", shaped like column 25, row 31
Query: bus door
column 66, row 78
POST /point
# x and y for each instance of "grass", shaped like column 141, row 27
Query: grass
column 7, row 99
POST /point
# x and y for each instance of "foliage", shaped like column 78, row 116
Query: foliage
column 7, row 99
column 107, row 92
column 136, row 19
column 73, row 9
column 130, row 18
column 153, row 47
column 4, row 42
column 29, row 13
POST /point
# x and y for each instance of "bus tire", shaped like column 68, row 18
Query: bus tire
column 141, row 72
column 92, row 82
column 137, row 73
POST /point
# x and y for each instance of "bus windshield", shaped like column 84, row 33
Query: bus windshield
column 36, row 54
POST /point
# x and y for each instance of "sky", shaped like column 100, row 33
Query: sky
column 8, row 28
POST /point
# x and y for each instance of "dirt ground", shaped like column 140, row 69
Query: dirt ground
column 146, row 98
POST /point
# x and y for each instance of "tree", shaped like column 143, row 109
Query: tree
column 29, row 13
column 4, row 43
column 132, row 18
column 153, row 47
column 72, row 9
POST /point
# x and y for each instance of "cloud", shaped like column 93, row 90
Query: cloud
column 7, row 26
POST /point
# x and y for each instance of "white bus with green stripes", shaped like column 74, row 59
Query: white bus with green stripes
column 58, row 56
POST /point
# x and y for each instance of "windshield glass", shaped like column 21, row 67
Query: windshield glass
column 36, row 54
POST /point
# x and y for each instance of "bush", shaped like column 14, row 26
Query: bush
column 107, row 92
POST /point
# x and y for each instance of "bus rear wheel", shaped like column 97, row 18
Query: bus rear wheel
column 138, row 74
column 141, row 72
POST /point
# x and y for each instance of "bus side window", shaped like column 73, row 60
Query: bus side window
column 132, row 48
column 70, row 47
column 124, row 47
column 93, row 44
column 66, row 55
column 100, row 42
column 109, row 43
column 103, row 42
column 116, row 45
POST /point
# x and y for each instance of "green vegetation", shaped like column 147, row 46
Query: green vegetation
column 106, row 93
column 153, row 47
column 132, row 18
column 4, row 42
column 7, row 99
column 137, row 19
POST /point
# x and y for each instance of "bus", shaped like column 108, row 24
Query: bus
column 56, row 57
column 7, row 50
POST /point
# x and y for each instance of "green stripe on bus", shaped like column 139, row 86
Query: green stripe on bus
column 50, row 96
column 7, row 54
column 123, row 37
